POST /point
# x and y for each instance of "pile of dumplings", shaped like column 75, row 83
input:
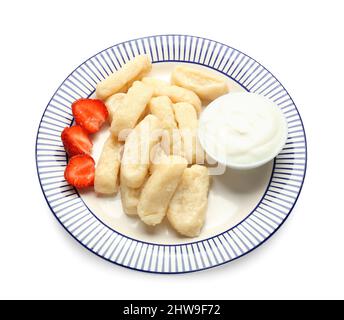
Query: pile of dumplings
column 152, row 155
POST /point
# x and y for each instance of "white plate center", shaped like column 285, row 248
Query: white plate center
column 233, row 195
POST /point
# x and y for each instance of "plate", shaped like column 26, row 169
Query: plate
column 245, row 207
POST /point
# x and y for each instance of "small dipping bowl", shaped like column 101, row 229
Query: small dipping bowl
column 242, row 130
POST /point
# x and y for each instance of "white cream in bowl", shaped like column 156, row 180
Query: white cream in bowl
column 242, row 130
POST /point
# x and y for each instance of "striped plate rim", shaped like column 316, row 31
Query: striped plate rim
column 69, row 209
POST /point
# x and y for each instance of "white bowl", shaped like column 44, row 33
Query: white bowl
column 217, row 108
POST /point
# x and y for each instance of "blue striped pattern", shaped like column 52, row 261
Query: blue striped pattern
column 70, row 210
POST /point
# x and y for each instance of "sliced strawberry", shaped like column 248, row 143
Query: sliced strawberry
column 80, row 171
column 76, row 140
column 90, row 114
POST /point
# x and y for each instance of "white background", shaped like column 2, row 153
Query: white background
column 301, row 42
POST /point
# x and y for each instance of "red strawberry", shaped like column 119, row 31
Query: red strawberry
column 90, row 114
column 76, row 140
column 80, row 171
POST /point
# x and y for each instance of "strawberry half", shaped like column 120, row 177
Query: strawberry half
column 90, row 114
column 80, row 171
column 76, row 141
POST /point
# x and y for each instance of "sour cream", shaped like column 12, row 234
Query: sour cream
column 242, row 130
